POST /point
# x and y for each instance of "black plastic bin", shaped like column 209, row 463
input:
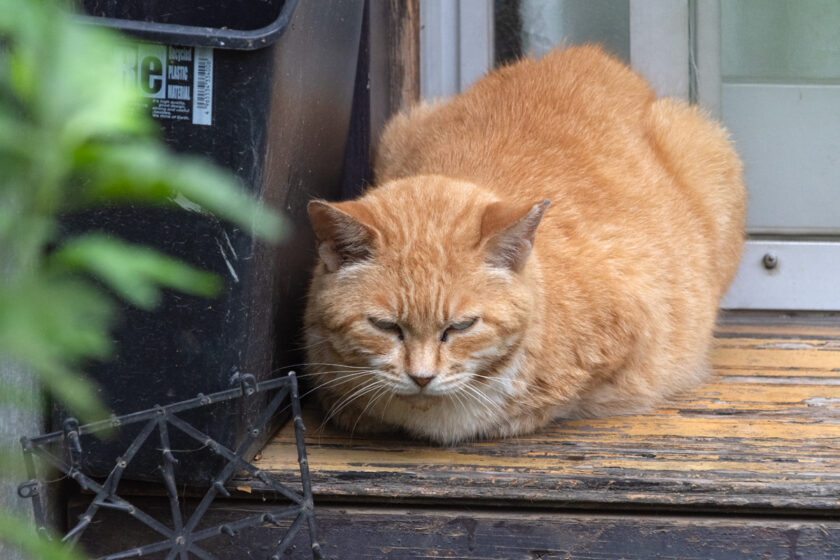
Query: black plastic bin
column 264, row 88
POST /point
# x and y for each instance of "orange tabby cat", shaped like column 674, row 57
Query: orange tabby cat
column 453, row 302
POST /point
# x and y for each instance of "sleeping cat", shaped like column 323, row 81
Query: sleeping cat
column 551, row 243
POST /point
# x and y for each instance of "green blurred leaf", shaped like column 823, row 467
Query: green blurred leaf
column 146, row 172
column 23, row 237
column 134, row 272
column 11, row 463
column 71, row 388
column 98, row 101
column 19, row 533
column 16, row 137
column 66, row 316
column 21, row 27
column 52, row 325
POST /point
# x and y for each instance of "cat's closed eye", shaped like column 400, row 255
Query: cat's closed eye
column 387, row 326
column 457, row 327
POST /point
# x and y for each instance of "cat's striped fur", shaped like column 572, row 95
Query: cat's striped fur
column 601, row 303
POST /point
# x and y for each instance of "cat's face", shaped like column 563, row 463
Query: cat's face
column 419, row 329
column 421, row 287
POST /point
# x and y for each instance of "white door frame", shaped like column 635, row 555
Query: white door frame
column 659, row 42
column 456, row 45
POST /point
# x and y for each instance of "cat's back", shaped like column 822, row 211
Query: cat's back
column 573, row 103
column 581, row 128
column 575, row 86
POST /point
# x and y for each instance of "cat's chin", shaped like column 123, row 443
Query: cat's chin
column 420, row 401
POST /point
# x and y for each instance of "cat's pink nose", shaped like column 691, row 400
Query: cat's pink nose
column 421, row 381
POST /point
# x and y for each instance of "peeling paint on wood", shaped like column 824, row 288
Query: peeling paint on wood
column 763, row 434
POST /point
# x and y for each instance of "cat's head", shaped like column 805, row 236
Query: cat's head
column 427, row 282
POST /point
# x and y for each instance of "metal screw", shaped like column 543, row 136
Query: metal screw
column 770, row 261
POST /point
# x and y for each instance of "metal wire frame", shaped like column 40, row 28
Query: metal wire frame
column 180, row 540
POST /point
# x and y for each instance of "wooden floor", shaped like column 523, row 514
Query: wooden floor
column 763, row 435
column 744, row 467
column 753, row 456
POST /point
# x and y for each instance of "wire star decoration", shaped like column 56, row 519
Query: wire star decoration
column 181, row 540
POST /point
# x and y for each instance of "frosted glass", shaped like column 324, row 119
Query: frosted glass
column 788, row 136
column 547, row 23
column 780, row 40
column 780, row 66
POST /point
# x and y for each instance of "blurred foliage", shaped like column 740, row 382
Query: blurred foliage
column 72, row 136
column 18, row 532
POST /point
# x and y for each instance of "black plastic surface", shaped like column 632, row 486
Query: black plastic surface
column 279, row 121
column 234, row 24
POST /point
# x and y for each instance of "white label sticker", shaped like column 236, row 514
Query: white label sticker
column 203, row 86
column 178, row 81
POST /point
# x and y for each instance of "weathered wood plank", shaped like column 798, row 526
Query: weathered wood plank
column 391, row 534
column 394, row 79
column 764, row 433
column 733, row 324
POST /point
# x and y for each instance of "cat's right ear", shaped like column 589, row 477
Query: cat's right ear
column 343, row 237
column 508, row 232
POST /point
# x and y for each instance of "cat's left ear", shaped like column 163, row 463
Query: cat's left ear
column 342, row 234
column 508, row 230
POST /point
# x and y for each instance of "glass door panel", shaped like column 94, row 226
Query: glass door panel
column 780, row 98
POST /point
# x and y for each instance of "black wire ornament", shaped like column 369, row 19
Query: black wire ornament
column 181, row 540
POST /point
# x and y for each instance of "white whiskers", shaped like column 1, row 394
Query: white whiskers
column 378, row 395
column 342, row 404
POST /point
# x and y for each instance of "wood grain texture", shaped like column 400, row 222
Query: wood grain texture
column 394, row 76
column 762, row 435
column 405, row 53
column 392, row 534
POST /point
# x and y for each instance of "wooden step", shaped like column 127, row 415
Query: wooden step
column 763, row 435
column 394, row 533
